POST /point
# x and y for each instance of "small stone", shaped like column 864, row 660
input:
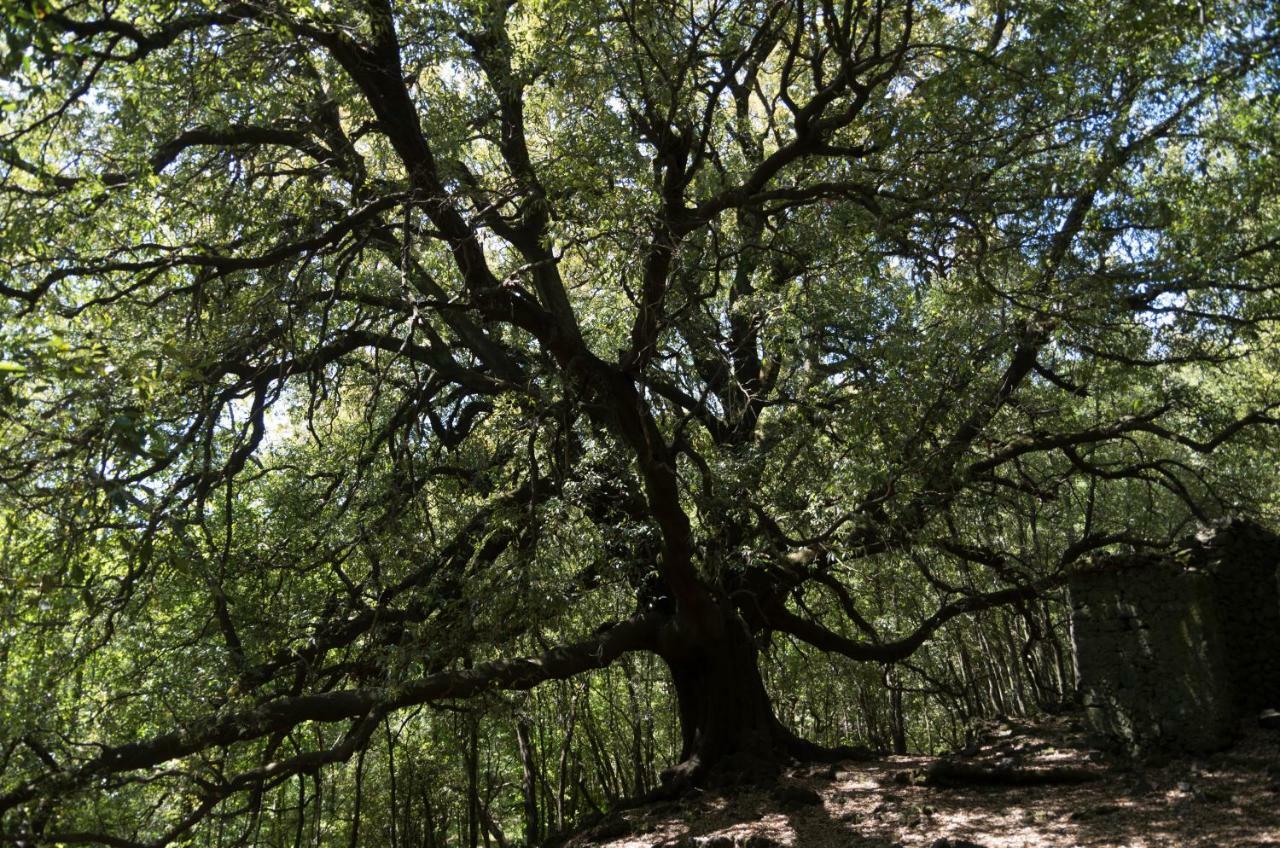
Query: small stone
column 902, row 778
column 819, row 771
column 1269, row 720
column 1143, row 786
column 1095, row 812
column 887, row 800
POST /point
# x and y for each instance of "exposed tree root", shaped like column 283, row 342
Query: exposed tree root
column 956, row 773
column 806, row 751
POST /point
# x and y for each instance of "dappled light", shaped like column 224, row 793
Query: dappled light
column 1223, row 799
column 446, row 423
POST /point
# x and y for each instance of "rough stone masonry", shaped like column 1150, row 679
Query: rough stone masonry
column 1173, row 650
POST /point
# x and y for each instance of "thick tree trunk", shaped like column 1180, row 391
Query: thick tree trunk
column 729, row 731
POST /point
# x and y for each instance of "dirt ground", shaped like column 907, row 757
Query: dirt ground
column 1229, row 799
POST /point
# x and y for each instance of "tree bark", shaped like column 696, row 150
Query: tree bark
column 729, row 731
column 532, row 832
column 472, row 757
column 897, row 716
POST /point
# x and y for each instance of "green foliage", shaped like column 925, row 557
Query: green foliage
column 345, row 346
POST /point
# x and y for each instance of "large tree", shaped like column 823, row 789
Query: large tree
column 369, row 353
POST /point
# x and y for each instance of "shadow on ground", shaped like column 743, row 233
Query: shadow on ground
column 1227, row 799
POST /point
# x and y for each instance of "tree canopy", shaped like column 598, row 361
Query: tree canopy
column 365, row 354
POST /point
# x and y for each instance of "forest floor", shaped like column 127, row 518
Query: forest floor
column 1005, row 794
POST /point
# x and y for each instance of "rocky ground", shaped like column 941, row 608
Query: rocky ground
column 1022, row 786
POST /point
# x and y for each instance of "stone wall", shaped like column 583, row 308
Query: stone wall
column 1173, row 650
column 1245, row 562
column 1151, row 663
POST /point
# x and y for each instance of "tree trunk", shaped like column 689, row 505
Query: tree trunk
column 897, row 716
column 532, row 832
column 729, row 731
column 472, row 757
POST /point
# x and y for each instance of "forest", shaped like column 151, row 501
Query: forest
column 445, row 422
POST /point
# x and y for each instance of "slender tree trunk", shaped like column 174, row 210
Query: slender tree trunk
column 428, row 814
column 898, row 720
column 394, row 816
column 473, row 781
column 491, row 826
column 319, row 806
column 354, row 842
column 584, row 792
column 302, row 811
column 571, row 722
column 605, row 771
column 531, row 830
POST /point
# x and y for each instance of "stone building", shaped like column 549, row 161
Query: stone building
column 1243, row 559
column 1173, row 650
